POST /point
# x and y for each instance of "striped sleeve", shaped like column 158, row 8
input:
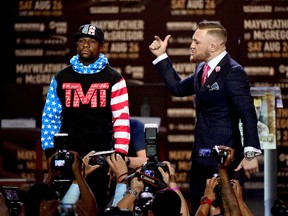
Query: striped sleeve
column 121, row 116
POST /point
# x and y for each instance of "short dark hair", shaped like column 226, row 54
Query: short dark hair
column 166, row 202
column 38, row 192
column 214, row 28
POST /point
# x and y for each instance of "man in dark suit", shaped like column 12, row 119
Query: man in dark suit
column 222, row 101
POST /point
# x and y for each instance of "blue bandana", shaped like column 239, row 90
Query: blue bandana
column 95, row 67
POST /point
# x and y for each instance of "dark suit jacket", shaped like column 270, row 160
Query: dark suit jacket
column 221, row 102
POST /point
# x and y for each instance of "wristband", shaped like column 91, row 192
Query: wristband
column 205, row 200
column 120, row 177
column 175, row 188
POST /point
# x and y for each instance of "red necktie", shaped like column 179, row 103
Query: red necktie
column 205, row 73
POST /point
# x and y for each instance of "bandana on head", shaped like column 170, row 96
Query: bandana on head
column 95, row 67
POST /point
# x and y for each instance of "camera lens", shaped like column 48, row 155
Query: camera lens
column 98, row 160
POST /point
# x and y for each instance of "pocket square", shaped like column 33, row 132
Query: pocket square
column 213, row 87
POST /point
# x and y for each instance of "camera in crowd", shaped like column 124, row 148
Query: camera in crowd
column 279, row 208
column 61, row 165
column 99, row 158
column 13, row 199
column 149, row 173
column 152, row 164
column 62, row 161
column 219, row 155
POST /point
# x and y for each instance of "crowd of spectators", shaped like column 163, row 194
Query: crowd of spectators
column 136, row 192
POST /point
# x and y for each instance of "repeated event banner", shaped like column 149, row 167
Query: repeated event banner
column 257, row 38
column 43, row 29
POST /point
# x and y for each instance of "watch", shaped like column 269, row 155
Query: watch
column 132, row 191
column 249, row 155
column 205, row 200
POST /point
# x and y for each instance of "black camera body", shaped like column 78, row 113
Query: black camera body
column 62, row 161
column 149, row 173
column 152, row 164
column 219, row 155
column 13, row 199
column 99, row 158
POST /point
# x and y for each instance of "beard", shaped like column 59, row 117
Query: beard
column 197, row 58
column 88, row 59
column 85, row 57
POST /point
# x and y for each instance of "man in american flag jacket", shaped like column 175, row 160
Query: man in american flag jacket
column 88, row 100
